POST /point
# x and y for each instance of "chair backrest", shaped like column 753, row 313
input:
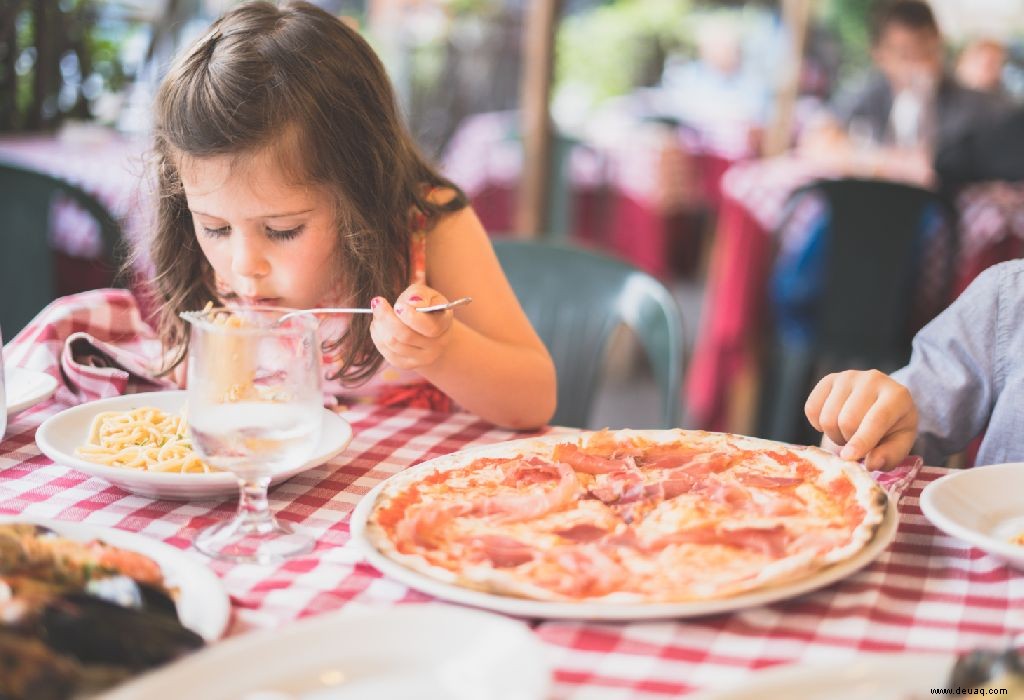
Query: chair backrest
column 862, row 288
column 27, row 281
column 576, row 299
column 878, row 240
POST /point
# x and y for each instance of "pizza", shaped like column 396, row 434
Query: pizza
column 628, row 516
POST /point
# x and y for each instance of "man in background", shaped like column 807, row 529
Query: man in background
column 910, row 96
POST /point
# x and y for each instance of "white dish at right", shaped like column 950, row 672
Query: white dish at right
column 983, row 506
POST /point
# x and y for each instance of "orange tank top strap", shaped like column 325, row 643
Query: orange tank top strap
column 418, row 249
column 418, row 257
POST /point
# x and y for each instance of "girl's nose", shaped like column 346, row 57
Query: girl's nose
column 247, row 258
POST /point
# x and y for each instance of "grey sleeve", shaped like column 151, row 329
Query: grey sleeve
column 864, row 98
column 952, row 370
column 847, row 105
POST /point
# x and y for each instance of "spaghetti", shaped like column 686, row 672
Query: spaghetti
column 144, row 438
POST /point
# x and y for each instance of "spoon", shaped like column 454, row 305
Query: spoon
column 359, row 310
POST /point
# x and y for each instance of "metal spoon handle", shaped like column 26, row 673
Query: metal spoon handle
column 356, row 310
column 444, row 307
column 315, row 312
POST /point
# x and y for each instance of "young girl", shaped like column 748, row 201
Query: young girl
column 287, row 179
column 965, row 376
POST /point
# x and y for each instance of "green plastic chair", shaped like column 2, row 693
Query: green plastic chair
column 27, row 282
column 576, row 299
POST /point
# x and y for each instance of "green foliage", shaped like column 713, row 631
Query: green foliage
column 106, row 59
column 608, row 50
column 474, row 7
column 88, row 30
column 849, row 21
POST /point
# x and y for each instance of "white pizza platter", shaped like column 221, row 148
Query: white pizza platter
column 884, row 535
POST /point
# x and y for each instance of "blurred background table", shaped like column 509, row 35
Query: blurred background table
column 641, row 193
column 106, row 164
column 990, row 228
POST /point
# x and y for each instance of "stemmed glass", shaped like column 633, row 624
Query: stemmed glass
column 254, row 409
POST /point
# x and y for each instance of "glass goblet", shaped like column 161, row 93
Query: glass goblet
column 254, row 409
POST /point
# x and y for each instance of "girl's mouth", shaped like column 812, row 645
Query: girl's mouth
column 256, row 301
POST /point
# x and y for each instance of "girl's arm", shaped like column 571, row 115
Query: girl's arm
column 486, row 355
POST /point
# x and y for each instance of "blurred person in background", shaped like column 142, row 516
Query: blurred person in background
column 980, row 67
column 715, row 93
column 909, row 101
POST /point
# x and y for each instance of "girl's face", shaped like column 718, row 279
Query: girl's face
column 270, row 240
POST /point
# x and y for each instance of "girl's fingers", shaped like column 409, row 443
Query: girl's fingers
column 388, row 328
column 430, row 325
column 401, row 355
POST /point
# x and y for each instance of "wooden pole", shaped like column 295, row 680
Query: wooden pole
column 535, row 91
column 796, row 16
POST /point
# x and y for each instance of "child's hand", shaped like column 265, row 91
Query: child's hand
column 405, row 337
column 866, row 414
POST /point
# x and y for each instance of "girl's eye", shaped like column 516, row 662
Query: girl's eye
column 285, row 235
column 217, row 232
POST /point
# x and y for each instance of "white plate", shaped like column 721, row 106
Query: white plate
column 982, row 506
column 203, row 605
column 405, row 652
column 611, row 611
column 60, row 435
column 889, row 677
column 25, row 388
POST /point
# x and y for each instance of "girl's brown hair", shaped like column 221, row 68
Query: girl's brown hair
column 264, row 74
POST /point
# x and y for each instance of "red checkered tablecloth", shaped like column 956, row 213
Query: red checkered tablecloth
column 926, row 593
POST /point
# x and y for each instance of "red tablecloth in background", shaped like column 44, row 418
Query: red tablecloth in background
column 635, row 196
column 925, row 593
column 108, row 165
column 991, row 230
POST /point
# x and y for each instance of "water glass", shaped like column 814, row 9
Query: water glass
column 255, row 408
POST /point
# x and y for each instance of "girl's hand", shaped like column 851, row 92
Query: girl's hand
column 864, row 415
column 405, row 337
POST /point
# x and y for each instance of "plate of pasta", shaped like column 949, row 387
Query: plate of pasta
column 140, row 442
